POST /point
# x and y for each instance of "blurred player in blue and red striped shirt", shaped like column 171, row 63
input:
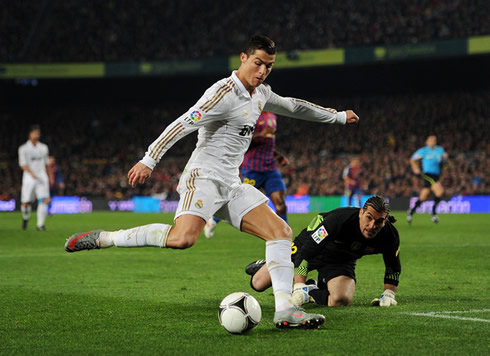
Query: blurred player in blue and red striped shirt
column 260, row 167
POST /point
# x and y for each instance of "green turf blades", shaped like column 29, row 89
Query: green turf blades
column 156, row 301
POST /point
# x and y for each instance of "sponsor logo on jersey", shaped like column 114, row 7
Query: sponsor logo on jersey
column 319, row 234
column 199, row 204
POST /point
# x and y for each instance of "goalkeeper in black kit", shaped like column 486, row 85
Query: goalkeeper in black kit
column 331, row 244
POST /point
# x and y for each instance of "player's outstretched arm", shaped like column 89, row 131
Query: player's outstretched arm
column 138, row 174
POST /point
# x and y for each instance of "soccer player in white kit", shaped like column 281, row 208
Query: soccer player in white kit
column 33, row 159
column 210, row 184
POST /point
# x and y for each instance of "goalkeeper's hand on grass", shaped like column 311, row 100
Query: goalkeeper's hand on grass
column 387, row 299
column 301, row 294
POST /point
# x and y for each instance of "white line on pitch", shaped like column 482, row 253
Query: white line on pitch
column 464, row 311
column 444, row 316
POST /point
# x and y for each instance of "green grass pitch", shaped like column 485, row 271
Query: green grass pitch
column 155, row 301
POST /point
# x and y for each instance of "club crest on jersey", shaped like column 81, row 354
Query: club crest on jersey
column 260, row 106
column 199, row 204
column 319, row 234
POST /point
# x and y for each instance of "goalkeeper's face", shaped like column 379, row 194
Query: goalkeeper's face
column 371, row 222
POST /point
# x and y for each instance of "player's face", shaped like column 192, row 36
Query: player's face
column 255, row 68
column 371, row 222
column 431, row 141
column 34, row 135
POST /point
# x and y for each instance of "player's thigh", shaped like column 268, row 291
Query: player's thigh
column 438, row 189
column 261, row 221
column 240, row 200
column 342, row 289
column 200, row 194
column 28, row 191
column 42, row 190
column 424, row 194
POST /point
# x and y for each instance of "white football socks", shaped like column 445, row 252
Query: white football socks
column 281, row 270
column 42, row 212
column 26, row 211
column 154, row 235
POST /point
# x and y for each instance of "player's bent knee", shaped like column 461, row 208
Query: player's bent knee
column 284, row 233
column 339, row 301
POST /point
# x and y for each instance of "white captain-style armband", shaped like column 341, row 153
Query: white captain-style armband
column 387, row 299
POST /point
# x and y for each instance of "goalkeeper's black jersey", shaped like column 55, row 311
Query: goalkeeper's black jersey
column 335, row 237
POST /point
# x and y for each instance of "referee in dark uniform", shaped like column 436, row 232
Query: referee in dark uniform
column 331, row 244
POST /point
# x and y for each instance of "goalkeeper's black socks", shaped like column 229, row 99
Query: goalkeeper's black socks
column 320, row 296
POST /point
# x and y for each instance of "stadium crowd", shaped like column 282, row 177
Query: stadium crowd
column 125, row 30
column 95, row 147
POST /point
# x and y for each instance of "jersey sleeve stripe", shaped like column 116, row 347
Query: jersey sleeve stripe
column 219, row 99
column 165, row 139
column 333, row 111
column 209, row 101
column 208, row 105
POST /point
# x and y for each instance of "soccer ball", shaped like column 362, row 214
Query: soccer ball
column 239, row 312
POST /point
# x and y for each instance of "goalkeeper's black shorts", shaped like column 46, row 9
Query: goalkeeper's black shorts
column 331, row 270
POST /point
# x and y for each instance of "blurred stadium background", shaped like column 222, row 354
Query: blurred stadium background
column 103, row 79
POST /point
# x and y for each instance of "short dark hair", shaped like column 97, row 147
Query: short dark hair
column 260, row 42
column 378, row 203
column 34, row 128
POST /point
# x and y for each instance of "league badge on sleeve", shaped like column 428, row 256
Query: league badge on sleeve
column 319, row 234
column 194, row 117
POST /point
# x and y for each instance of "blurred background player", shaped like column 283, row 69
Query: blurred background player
column 56, row 186
column 331, row 244
column 33, row 159
column 432, row 157
column 352, row 175
column 259, row 167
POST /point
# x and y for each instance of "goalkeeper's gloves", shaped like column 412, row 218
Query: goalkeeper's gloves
column 301, row 294
column 387, row 299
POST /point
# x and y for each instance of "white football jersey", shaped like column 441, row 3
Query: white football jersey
column 34, row 157
column 226, row 116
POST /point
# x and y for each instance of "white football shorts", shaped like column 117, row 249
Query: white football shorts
column 205, row 193
column 34, row 188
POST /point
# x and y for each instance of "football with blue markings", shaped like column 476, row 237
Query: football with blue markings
column 239, row 313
